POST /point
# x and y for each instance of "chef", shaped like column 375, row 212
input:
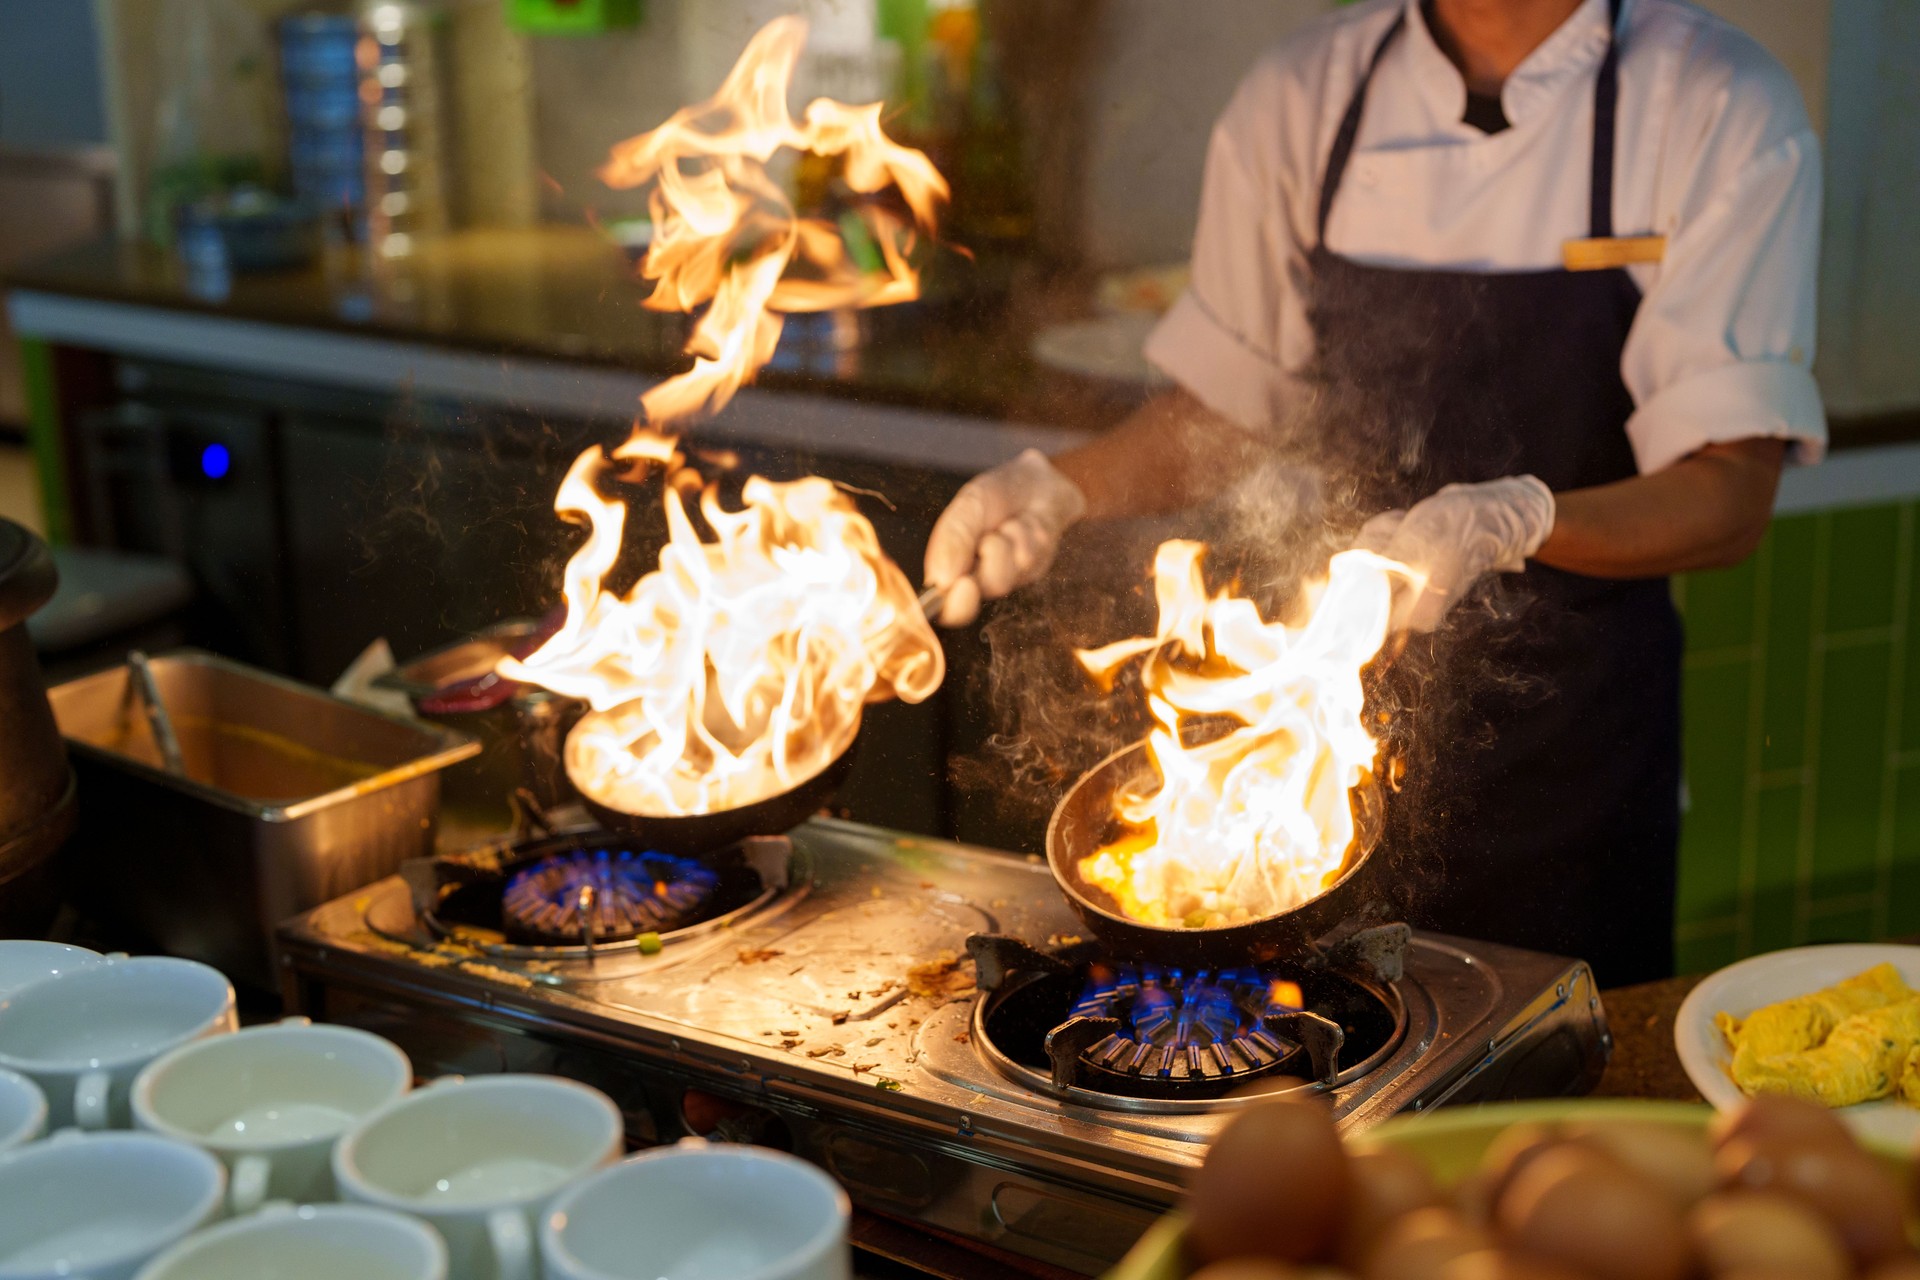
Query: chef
column 1558, row 256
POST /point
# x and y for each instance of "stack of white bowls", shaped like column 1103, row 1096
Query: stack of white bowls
column 185, row 1149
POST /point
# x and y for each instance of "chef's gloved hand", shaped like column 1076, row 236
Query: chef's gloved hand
column 1454, row 538
column 999, row 532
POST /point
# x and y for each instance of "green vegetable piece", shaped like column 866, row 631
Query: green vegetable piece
column 649, row 944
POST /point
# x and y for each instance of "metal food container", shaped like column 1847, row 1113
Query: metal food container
column 292, row 797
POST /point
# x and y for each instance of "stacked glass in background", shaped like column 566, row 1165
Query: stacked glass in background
column 320, row 80
column 402, row 59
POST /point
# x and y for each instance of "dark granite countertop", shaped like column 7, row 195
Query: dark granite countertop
column 566, row 293
column 1645, row 1063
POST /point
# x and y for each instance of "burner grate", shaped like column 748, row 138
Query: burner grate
column 605, row 895
column 1138, row 1034
column 1153, row 1024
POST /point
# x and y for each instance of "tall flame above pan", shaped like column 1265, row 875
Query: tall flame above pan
column 1257, row 747
column 738, row 667
column 725, row 234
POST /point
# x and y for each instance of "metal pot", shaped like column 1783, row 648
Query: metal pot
column 36, row 785
column 695, row 834
column 1084, row 821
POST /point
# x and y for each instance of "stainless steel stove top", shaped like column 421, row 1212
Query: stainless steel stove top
column 836, row 1015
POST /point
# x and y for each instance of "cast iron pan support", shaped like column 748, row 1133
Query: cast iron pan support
column 1066, row 1042
column 997, row 957
column 1376, row 951
column 1321, row 1036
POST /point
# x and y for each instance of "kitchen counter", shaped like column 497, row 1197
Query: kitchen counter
column 552, row 319
column 1645, row 1063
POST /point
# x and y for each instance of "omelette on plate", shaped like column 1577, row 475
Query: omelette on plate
column 1856, row 1041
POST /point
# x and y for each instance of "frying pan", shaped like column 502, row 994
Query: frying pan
column 1084, row 822
column 692, row 835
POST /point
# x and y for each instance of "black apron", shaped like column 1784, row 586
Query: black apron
column 1560, row 832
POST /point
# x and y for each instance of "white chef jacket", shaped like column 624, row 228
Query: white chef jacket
column 1713, row 149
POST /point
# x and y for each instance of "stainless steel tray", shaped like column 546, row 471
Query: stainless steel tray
column 293, row 797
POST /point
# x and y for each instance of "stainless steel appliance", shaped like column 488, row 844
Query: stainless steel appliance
column 290, row 797
column 827, row 1003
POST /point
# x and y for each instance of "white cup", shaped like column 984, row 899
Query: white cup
column 700, row 1212
column 23, row 1110
column 98, row 1206
column 84, row 1034
column 480, row 1159
column 24, row 960
column 311, row 1242
column 270, row 1102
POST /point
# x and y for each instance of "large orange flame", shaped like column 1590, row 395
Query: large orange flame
column 738, row 667
column 1244, row 823
column 725, row 234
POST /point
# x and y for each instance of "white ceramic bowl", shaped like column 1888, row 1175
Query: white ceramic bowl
column 23, row 1110
column 84, row 1034
column 25, row 960
column 100, row 1205
column 310, row 1242
column 480, row 1159
column 700, row 1212
column 270, row 1101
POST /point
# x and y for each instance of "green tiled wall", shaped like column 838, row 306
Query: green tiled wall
column 1802, row 706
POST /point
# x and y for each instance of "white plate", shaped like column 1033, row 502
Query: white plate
column 1741, row 988
column 1104, row 347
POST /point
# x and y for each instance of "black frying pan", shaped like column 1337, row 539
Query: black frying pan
column 1084, row 822
column 695, row 834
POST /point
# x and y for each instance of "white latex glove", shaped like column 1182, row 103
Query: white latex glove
column 1457, row 536
column 999, row 532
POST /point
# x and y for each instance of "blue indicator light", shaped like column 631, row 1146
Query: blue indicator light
column 215, row 462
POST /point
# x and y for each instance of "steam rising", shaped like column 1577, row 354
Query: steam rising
column 1303, row 492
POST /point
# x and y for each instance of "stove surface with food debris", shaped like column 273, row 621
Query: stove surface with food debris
column 826, row 994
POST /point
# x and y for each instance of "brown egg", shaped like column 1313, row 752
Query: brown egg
column 1580, row 1209
column 1678, row 1160
column 1856, row 1196
column 1274, row 1185
column 1248, row 1269
column 1512, row 1149
column 1765, row 1231
column 1495, row 1264
column 1773, row 1119
column 1387, row 1183
column 1418, row 1245
column 1472, row 1198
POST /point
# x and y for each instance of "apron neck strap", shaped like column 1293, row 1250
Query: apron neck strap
column 1606, row 96
column 1606, row 93
column 1350, row 129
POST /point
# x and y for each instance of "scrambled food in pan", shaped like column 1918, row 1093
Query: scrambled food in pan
column 1856, row 1041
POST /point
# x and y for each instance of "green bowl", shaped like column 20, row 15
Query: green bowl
column 1450, row 1142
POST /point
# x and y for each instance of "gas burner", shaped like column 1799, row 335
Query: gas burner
column 1165, row 1029
column 1148, row 1037
column 535, row 898
column 604, row 895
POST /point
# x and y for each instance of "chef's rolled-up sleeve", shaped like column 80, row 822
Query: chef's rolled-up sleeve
column 1721, row 348
column 1221, row 340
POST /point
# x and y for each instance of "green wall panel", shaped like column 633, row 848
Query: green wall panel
column 1802, row 705
column 1772, row 913
column 1788, row 559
